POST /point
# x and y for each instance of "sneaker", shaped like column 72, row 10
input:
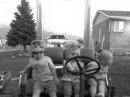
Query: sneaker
column 100, row 95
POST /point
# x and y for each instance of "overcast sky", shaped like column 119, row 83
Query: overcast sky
column 62, row 16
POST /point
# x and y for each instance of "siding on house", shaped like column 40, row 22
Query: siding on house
column 100, row 18
column 127, row 27
column 120, row 41
column 100, row 31
column 106, row 25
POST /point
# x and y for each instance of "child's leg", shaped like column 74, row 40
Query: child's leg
column 36, row 90
column 93, row 87
column 101, row 88
column 67, row 88
column 76, row 86
column 51, row 88
column 36, row 93
column 52, row 94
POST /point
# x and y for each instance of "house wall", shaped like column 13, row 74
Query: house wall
column 103, row 30
column 120, row 41
column 101, row 35
column 127, row 26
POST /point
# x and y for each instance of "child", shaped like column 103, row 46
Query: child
column 69, row 80
column 97, row 81
column 44, row 73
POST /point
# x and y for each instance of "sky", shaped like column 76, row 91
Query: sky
column 62, row 16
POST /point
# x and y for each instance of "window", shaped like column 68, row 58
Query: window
column 61, row 37
column 57, row 37
column 53, row 37
column 119, row 26
column 109, row 26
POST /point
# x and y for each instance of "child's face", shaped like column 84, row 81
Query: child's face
column 74, row 53
column 38, row 55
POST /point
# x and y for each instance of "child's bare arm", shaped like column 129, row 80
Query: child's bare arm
column 106, row 69
column 52, row 68
column 26, row 68
column 63, row 69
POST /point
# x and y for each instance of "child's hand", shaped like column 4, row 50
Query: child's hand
column 56, row 81
column 21, row 72
column 76, row 70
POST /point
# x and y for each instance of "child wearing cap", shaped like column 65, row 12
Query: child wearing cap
column 70, row 81
column 97, row 82
column 44, row 73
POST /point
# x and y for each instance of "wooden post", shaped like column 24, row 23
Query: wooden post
column 39, row 20
column 82, row 80
column 87, row 33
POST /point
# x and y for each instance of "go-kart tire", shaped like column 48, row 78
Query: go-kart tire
column 110, row 91
column 22, row 91
column 6, row 95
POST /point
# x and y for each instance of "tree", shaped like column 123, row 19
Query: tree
column 23, row 27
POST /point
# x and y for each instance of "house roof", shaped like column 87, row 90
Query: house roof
column 120, row 15
column 115, row 13
column 112, row 14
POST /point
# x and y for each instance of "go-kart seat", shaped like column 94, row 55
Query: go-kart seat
column 56, row 54
column 88, row 52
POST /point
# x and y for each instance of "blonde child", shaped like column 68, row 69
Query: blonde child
column 97, row 81
column 70, row 81
column 44, row 73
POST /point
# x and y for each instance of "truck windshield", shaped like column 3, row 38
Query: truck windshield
column 57, row 37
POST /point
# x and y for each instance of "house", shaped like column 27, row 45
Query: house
column 111, row 30
column 2, row 41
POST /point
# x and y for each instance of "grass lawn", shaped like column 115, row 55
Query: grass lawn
column 119, row 72
column 120, row 75
column 13, row 65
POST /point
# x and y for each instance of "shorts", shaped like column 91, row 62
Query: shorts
column 70, row 87
column 97, row 79
column 46, row 86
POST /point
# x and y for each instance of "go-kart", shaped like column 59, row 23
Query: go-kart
column 84, row 73
column 87, row 55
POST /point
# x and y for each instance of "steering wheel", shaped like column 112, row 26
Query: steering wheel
column 86, row 61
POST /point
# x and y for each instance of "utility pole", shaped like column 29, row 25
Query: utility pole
column 87, row 33
column 87, row 50
column 39, row 20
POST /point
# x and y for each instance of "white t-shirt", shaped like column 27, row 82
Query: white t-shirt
column 42, row 68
